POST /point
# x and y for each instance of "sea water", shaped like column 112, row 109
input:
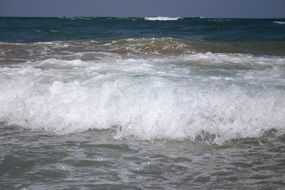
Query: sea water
column 142, row 103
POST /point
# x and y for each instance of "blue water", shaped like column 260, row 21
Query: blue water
column 200, row 29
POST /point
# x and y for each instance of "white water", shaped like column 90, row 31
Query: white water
column 279, row 22
column 160, row 18
column 229, row 95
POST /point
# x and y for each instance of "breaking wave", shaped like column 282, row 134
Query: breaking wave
column 279, row 22
column 175, row 97
column 160, row 18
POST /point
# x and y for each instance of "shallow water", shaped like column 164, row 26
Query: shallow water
column 148, row 108
column 94, row 159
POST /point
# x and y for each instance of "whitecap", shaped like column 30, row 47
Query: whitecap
column 160, row 18
column 175, row 97
column 279, row 22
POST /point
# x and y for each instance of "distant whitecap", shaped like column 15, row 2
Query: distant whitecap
column 159, row 18
column 279, row 22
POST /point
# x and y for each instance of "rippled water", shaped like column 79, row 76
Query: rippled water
column 95, row 160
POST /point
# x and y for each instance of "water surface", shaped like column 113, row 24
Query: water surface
column 142, row 103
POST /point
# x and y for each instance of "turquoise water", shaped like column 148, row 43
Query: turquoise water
column 142, row 103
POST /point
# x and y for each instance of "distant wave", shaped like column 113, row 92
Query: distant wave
column 159, row 18
column 279, row 22
column 75, row 17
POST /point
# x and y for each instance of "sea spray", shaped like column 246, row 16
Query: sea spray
column 178, row 97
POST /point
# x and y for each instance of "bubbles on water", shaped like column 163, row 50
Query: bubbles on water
column 213, row 97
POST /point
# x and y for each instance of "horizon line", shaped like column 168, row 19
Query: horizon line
column 201, row 17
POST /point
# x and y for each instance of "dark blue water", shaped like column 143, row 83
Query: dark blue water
column 200, row 29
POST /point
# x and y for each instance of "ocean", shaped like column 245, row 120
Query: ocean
column 142, row 103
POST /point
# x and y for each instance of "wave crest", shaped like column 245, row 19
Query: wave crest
column 165, row 46
column 176, row 97
column 160, row 18
column 279, row 22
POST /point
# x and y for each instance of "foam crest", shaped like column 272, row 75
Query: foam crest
column 152, row 98
column 160, row 18
column 279, row 22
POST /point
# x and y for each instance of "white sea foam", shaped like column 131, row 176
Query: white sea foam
column 160, row 18
column 228, row 95
column 279, row 22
